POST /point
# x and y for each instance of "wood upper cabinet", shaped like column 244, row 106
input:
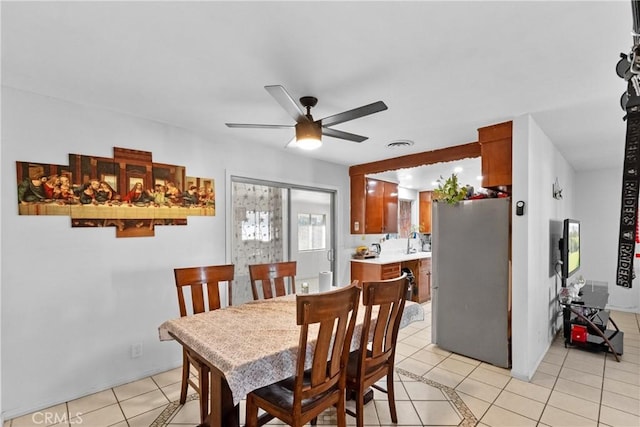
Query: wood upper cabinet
column 389, row 209
column 374, row 206
column 425, row 211
column 495, row 147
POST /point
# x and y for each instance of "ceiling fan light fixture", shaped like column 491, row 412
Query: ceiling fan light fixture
column 308, row 131
column 308, row 144
column 308, row 135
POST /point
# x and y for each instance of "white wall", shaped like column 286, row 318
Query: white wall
column 536, row 164
column 75, row 299
column 598, row 209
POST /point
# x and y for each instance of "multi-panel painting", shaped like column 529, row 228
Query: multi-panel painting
column 128, row 192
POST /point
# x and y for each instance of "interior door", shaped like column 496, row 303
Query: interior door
column 312, row 237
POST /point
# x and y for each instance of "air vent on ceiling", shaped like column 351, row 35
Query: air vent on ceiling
column 400, row 143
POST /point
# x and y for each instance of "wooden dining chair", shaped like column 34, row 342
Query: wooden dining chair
column 272, row 279
column 375, row 357
column 197, row 279
column 329, row 318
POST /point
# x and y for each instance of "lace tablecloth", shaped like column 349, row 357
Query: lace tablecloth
column 253, row 344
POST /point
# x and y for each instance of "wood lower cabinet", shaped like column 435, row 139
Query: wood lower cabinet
column 424, row 281
column 367, row 272
column 414, row 266
column 421, row 268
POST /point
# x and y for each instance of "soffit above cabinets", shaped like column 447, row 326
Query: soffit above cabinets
column 421, row 178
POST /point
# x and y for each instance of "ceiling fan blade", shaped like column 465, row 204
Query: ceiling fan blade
column 287, row 102
column 257, row 126
column 356, row 113
column 343, row 135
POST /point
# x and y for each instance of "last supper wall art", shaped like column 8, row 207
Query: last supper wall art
column 128, row 192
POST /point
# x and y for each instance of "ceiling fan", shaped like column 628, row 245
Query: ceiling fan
column 309, row 131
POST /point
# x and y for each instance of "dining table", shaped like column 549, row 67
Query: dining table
column 249, row 346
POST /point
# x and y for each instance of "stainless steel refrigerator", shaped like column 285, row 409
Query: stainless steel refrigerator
column 470, row 279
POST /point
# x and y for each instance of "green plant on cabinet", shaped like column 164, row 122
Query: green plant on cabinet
column 449, row 190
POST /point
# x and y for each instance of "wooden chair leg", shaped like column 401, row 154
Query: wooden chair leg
column 185, row 377
column 391, row 397
column 360, row 407
column 341, row 412
column 251, row 415
column 203, row 383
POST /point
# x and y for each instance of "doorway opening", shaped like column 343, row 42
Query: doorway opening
column 274, row 222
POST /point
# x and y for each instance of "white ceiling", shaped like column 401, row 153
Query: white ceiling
column 443, row 68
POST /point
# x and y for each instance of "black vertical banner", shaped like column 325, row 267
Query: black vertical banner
column 629, row 204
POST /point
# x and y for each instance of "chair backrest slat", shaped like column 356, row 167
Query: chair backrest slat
column 335, row 315
column 390, row 297
column 272, row 279
column 381, row 336
column 197, row 297
column 196, row 278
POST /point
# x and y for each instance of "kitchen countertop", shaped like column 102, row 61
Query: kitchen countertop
column 390, row 257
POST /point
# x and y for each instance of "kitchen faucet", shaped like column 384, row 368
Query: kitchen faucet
column 410, row 250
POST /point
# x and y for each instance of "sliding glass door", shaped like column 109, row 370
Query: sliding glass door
column 312, row 240
column 274, row 222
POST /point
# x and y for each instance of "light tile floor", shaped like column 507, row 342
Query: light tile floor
column 572, row 387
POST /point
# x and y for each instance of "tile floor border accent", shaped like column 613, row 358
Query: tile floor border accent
column 168, row 412
column 469, row 419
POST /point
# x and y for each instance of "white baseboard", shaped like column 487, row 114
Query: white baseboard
column 58, row 399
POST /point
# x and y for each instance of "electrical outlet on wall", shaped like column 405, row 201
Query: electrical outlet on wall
column 136, row 350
